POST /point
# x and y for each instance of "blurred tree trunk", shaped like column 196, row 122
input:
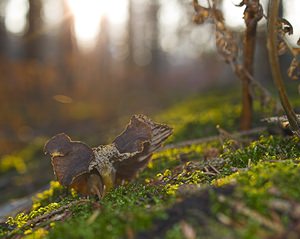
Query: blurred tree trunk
column 130, row 28
column 66, row 48
column 3, row 38
column 66, row 39
column 32, row 36
column 3, row 30
column 103, row 57
column 153, row 31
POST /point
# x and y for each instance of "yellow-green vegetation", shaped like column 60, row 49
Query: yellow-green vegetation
column 265, row 149
column 55, row 193
column 257, row 184
column 216, row 189
column 22, row 218
column 37, row 234
column 266, row 191
column 43, row 204
column 198, row 116
column 175, row 156
column 173, row 180
column 19, row 160
column 24, row 170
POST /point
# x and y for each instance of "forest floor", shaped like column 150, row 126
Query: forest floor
column 231, row 185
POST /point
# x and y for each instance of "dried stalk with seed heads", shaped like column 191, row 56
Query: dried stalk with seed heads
column 275, row 66
column 228, row 48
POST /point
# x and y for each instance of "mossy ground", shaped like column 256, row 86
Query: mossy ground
column 226, row 188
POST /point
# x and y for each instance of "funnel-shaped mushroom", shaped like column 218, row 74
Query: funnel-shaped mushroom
column 93, row 171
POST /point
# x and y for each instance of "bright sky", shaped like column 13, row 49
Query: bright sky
column 233, row 15
column 88, row 14
column 292, row 14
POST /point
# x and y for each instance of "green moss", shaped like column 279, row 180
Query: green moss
column 265, row 149
column 125, row 210
column 174, row 233
column 257, row 182
column 173, row 180
column 254, row 190
column 171, row 158
column 198, row 116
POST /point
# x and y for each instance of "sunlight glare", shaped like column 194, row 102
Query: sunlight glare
column 234, row 15
column 291, row 13
column 15, row 16
column 170, row 16
column 52, row 12
column 116, row 11
column 88, row 15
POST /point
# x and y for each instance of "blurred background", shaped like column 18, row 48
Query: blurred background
column 83, row 67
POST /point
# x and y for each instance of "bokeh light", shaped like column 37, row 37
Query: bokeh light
column 15, row 16
column 52, row 12
column 87, row 16
column 170, row 16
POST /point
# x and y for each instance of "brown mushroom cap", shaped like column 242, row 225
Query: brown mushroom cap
column 70, row 159
column 141, row 138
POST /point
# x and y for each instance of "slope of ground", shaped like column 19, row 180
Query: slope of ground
column 230, row 186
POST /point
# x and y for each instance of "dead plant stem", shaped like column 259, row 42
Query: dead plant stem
column 249, row 52
column 275, row 66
